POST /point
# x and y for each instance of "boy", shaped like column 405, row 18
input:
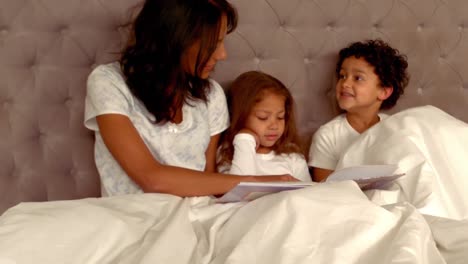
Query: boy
column 371, row 77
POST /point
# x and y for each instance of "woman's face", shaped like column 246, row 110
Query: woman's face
column 190, row 59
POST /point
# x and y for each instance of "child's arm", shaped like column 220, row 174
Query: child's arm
column 321, row 174
column 322, row 156
column 244, row 159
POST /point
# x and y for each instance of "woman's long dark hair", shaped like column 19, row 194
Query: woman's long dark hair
column 162, row 33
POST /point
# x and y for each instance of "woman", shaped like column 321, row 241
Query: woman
column 156, row 115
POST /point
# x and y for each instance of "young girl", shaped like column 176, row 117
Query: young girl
column 371, row 77
column 262, row 138
column 156, row 114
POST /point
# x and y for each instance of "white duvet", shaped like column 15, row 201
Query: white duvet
column 325, row 223
column 431, row 147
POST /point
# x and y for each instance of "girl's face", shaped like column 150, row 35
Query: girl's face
column 358, row 88
column 190, row 58
column 267, row 120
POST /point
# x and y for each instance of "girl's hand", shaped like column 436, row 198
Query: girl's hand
column 251, row 132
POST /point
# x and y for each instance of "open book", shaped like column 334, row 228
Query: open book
column 367, row 177
column 248, row 191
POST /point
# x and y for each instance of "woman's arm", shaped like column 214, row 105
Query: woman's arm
column 129, row 150
column 210, row 154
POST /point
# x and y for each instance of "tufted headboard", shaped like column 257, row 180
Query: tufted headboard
column 48, row 48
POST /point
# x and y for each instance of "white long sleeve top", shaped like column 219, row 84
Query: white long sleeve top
column 247, row 161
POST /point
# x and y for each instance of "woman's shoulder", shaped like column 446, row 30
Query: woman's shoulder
column 215, row 89
column 107, row 81
column 110, row 72
column 216, row 96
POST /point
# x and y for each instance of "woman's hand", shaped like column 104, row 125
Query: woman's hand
column 274, row 178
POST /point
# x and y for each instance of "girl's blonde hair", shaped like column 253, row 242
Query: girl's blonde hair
column 247, row 90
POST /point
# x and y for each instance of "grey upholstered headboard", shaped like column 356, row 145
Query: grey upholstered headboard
column 48, row 47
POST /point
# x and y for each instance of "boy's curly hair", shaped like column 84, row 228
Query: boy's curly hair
column 389, row 65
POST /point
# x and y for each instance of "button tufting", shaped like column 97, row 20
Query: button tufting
column 6, row 105
column 67, row 102
column 257, row 60
column 420, row 27
column 40, row 136
column 420, row 90
column 64, row 30
column 330, row 26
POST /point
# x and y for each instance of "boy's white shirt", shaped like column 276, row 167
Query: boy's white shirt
column 331, row 140
column 247, row 162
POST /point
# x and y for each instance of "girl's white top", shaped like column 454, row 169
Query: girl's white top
column 247, row 162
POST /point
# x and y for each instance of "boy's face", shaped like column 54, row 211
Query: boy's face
column 358, row 89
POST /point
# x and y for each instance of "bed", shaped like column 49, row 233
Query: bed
column 49, row 186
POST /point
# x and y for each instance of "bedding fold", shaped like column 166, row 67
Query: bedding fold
column 324, row 223
column 431, row 147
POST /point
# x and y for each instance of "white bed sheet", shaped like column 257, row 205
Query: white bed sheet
column 431, row 147
column 325, row 223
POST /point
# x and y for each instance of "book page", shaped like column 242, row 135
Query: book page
column 363, row 172
column 377, row 183
column 368, row 176
column 248, row 191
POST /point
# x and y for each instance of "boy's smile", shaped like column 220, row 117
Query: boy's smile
column 358, row 87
